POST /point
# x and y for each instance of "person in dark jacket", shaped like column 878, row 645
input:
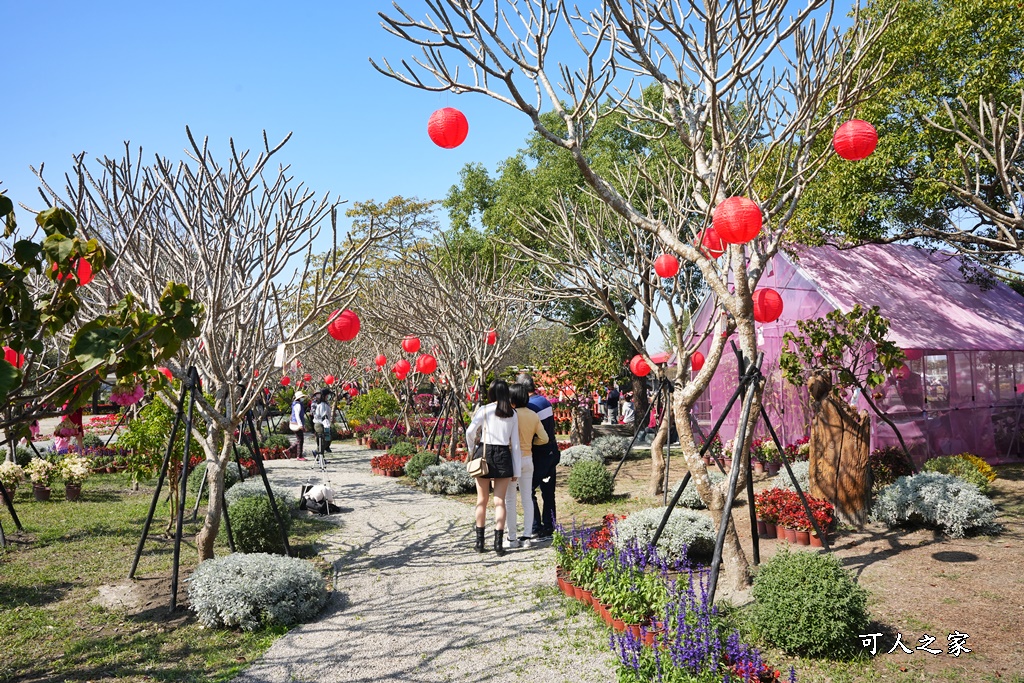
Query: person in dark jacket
column 545, row 461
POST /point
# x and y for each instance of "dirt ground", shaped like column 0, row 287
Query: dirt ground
column 919, row 583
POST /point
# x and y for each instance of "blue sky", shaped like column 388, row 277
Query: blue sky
column 88, row 76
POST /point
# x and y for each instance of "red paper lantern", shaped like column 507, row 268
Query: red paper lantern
column 84, row 270
column 285, row 381
column 855, row 140
column 402, row 367
column 307, row 377
column 166, row 373
column 329, row 380
column 913, row 354
column 737, row 220
column 353, row 392
column 13, row 357
column 381, row 360
column 697, row 361
column 666, row 265
column 426, row 364
column 411, row 344
column 712, row 244
column 344, row 326
column 447, row 128
column 492, row 337
column 767, row 305
column 639, row 367
column 256, row 372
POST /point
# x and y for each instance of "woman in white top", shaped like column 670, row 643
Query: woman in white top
column 495, row 425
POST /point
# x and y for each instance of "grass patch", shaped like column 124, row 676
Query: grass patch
column 50, row 626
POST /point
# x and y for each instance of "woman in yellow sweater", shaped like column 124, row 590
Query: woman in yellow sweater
column 531, row 432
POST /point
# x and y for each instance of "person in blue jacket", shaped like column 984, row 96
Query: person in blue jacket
column 545, row 460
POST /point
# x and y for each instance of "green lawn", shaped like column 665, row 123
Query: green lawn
column 52, row 631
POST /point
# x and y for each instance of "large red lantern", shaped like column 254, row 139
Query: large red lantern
column 307, row 377
column 492, row 337
column 344, row 326
column 166, row 373
column 666, row 265
column 381, row 360
column 411, row 344
column 711, row 243
column 737, row 220
column 285, row 381
column 697, row 361
column 353, row 392
column 329, row 380
column 913, row 354
column 426, row 364
column 401, row 368
column 639, row 367
column 855, row 140
column 13, row 357
column 448, row 127
column 767, row 305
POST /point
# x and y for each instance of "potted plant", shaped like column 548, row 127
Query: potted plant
column 584, row 569
column 42, row 473
column 766, row 506
column 768, row 453
column 11, row 475
column 74, row 470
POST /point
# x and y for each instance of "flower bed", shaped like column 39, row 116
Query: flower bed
column 388, row 465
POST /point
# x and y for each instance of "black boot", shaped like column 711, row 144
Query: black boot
column 499, row 537
column 479, row 547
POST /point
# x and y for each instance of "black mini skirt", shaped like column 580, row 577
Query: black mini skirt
column 499, row 462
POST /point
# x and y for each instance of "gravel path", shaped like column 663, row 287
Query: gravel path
column 413, row 602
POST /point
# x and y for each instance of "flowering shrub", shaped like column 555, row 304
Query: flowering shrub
column 807, row 604
column 939, row 500
column 576, row 454
column 41, row 472
column 765, row 450
column 982, row 466
column 448, row 478
column 564, row 445
column 783, row 507
column 888, row 465
column 123, row 395
column 102, row 421
column 686, row 533
column 251, row 591
column 389, row 462
column 960, row 467
column 74, row 469
column 11, row 474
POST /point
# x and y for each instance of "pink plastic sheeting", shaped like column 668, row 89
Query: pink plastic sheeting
column 954, row 399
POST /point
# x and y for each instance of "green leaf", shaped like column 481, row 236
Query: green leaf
column 10, row 379
column 94, row 345
column 56, row 221
column 6, row 205
column 26, row 253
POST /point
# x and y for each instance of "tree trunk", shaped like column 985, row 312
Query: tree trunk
column 582, row 429
column 840, row 444
column 215, row 481
column 657, row 484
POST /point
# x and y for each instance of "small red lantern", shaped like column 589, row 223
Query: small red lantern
column 353, row 392
column 492, row 337
column 767, row 305
column 666, row 265
column 711, row 242
column 411, row 344
column 697, row 361
column 329, row 380
column 285, row 381
column 447, row 128
column 737, row 220
column 84, row 270
column 353, row 362
column 402, row 367
column 307, row 377
column 855, row 140
column 426, row 364
column 166, row 373
column 913, row 354
column 13, row 357
column 256, row 372
column 381, row 360
column 639, row 367
column 344, row 326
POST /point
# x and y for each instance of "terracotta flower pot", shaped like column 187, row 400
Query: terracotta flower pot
column 42, row 493
column 816, row 541
column 773, row 468
column 758, row 466
column 790, row 534
column 588, row 597
column 762, row 529
column 651, row 636
column 72, row 491
column 578, row 592
column 618, row 625
column 803, row 537
column 634, row 629
column 771, row 531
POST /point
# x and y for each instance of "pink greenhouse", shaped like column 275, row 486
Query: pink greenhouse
column 965, row 347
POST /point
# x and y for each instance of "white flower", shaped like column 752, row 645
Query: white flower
column 11, row 474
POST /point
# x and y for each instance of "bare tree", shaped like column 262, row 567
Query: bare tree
column 745, row 93
column 233, row 233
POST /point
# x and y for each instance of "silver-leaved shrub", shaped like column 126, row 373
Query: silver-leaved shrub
column 690, row 498
column 939, row 500
column 610, row 448
column 575, row 454
column 253, row 591
column 802, row 472
column 448, row 478
column 254, row 487
column 685, row 530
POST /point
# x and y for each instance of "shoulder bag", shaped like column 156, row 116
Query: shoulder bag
column 476, row 466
